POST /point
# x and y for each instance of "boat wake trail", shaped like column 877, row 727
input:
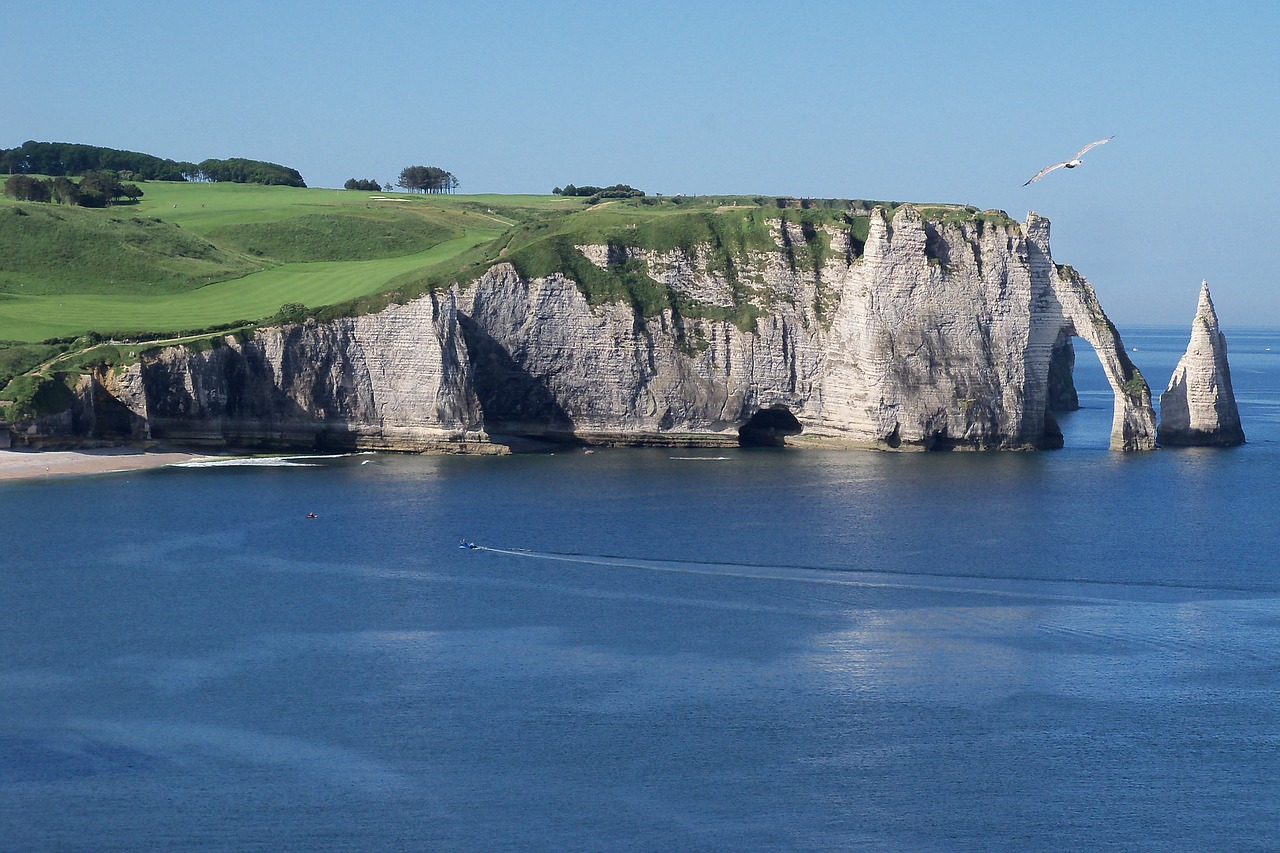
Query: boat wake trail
column 1065, row 589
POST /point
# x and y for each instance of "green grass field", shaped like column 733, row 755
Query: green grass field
column 252, row 297
column 199, row 255
column 194, row 256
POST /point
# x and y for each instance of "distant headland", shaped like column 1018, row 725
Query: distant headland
column 241, row 313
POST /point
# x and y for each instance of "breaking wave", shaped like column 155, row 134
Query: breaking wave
column 260, row 461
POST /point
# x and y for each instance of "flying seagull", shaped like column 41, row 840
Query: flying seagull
column 1067, row 164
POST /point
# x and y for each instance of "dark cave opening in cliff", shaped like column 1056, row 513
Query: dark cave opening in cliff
column 769, row 428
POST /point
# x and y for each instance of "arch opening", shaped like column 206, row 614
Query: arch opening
column 769, row 428
column 1081, row 406
column 1061, row 397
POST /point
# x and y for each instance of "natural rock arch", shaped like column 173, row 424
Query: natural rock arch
column 1070, row 308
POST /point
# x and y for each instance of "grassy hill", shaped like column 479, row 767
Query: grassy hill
column 199, row 255
column 51, row 249
column 194, row 257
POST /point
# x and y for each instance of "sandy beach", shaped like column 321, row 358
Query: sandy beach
column 33, row 464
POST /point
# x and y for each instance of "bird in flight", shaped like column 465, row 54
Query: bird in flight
column 1067, row 164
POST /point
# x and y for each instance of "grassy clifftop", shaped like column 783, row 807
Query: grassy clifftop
column 198, row 255
column 50, row 249
column 192, row 257
column 721, row 230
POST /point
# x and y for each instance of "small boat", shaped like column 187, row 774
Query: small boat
column 311, row 515
column 467, row 546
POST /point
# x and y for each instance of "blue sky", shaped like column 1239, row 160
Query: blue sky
column 926, row 101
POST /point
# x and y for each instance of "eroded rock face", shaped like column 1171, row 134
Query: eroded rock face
column 1199, row 407
column 933, row 337
column 398, row 380
column 924, row 336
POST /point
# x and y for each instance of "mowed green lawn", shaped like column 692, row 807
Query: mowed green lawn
column 259, row 295
column 201, row 209
column 252, row 226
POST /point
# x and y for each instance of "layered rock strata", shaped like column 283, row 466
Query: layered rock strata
column 395, row 380
column 925, row 335
column 934, row 336
column 1199, row 406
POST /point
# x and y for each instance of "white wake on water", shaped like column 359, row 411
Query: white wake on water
column 837, row 577
column 1076, row 590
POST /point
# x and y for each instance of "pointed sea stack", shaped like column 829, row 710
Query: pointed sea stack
column 1199, row 409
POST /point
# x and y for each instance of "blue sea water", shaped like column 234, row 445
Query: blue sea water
column 730, row 650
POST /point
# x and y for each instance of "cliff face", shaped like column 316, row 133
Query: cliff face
column 926, row 335
column 1199, row 407
column 397, row 379
column 932, row 336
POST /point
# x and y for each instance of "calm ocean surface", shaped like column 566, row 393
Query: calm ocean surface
column 779, row 649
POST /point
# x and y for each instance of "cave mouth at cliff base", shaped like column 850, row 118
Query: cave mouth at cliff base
column 769, row 428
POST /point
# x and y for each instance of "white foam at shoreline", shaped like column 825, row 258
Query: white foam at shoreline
column 259, row 461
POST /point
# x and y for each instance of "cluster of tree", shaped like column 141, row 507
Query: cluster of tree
column 96, row 189
column 65, row 158
column 370, row 185
column 597, row 193
column 427, row 179
column 241, row 171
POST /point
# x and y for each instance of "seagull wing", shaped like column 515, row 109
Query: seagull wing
column 1080, row 153
column 1046, row 170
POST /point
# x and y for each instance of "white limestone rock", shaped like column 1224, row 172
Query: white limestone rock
column 936, row 336
column 927, row 335
column 394, row 380
column 1199, row 407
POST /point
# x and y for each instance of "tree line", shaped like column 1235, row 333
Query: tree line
column 594, row 194
column 72, row 159
column 65, row 158
column 368, row 185
column 95, row 189
column 241, row 171
column 427, row 179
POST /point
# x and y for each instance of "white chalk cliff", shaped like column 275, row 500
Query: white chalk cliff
column 929, row 334
column 1199, row 407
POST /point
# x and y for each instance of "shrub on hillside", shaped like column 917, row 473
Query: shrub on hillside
column 27, row 188
column 292, row 312
column 96, row 189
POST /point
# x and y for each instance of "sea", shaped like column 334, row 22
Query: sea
column 656, row 649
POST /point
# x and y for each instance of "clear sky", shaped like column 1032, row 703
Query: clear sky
column 922, row 101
